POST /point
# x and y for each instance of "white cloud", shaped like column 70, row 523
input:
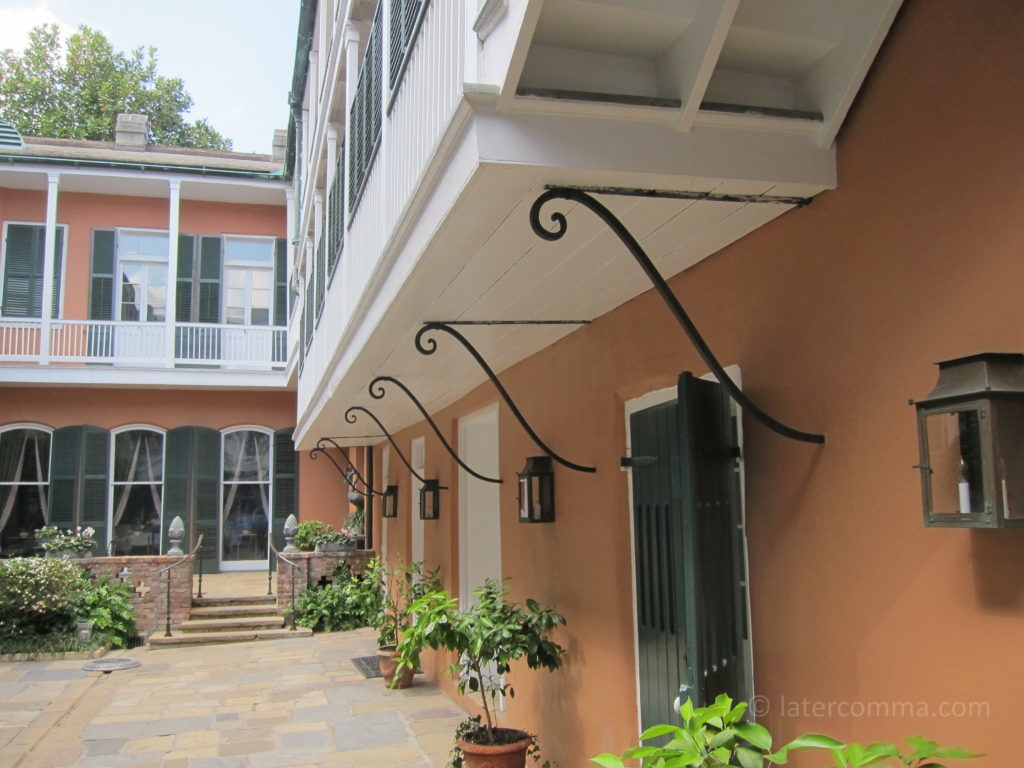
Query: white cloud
column 17, row 21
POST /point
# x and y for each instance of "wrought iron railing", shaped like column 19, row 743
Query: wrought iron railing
column 167, row 570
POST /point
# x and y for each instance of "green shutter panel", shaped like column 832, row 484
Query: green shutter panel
column 206, row 471
column 209, row 279
column 321, row 278
column 65, row 449
column 186, row 267
column 281, row 282
column 286, row 485
column 101, row 286
column 58, row 268
column 94, row 483
column 178, row 492
column 22, row 271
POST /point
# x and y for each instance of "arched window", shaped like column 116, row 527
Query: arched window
column 247, row 491
column 24, row 486
column 136, row 491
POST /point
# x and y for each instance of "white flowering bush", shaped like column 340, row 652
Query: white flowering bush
column 38, row 595
column 55, row 540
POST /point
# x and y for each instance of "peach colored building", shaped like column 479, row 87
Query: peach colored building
column 157, row 385
column 831, row 191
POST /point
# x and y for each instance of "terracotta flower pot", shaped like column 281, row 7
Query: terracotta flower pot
column 387, row 657
column 510, row 755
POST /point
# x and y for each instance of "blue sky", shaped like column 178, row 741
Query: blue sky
column 235, row 56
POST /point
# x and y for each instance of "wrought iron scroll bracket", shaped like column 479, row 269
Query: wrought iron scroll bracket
column 377, row 392
column 558, row 230
column 320, row 449
column 429, row 346
column 350, row 417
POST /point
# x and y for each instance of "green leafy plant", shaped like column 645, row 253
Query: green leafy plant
column 307, row 532
column 54, row 539
column 402, row 585
column 38, row 595
column 710, row 736
column 355, row 522
column 331, row 536
column 924, row 754
column 108, row 606
column 327, row 609
column 487, row 637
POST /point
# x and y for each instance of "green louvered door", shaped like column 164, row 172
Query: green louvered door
column 191, row 487
column 286, row 488
column 688, row 551
column 79, row 479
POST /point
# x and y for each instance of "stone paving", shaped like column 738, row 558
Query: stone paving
column 268, row 704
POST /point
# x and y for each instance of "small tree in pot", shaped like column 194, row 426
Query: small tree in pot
column 401, row 586
column 487, row 637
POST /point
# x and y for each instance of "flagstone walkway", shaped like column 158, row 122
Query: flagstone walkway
column 267, row 704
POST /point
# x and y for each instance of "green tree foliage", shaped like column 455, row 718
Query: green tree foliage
column 76, row 90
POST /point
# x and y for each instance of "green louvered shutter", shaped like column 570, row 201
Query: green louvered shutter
column 281, row 282
column 94, row 484
column 186, row 266
column 101, row 286
column 178, row 488
column 58, row 268
column 286, row 484
column 209, row 279
column 206, row 471
column 23, row 285
column 65, row 449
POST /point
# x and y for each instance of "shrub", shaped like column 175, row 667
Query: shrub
column 109, row 608
column 305, row 536
column 328, row 608
column 38, row 595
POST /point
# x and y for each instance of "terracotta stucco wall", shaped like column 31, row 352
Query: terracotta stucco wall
column 835, row 314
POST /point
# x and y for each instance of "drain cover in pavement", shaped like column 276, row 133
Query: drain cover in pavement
column 110, row 665
column 368, row 666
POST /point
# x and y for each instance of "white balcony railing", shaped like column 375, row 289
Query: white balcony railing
column 145, row 345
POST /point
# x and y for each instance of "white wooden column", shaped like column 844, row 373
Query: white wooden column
column 173, row 226
column 49, row 245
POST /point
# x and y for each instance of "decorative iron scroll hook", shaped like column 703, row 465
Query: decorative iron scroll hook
column 557, row 231
column 314, row 453
column 350, row 417
column 377, row 392
column 429, row 346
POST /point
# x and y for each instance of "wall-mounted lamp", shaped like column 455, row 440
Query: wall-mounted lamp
column 430, row 500
column 972, row 455
column 537, row 491
column 390, row 501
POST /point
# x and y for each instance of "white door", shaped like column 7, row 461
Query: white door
column 418, row 460
column 479, row 503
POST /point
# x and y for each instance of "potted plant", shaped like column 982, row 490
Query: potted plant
column 333, row 541
column 307, row 532
column 57, row 543
column 355, row 526
column 401, row 586
column 487, row 637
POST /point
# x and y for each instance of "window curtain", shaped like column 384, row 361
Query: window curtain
column 147, row 446
column 17, row 446
column 247, row 464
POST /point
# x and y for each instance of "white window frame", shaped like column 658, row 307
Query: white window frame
column 119, row 256
column 112, row 484
column 245, row 565
column 63, row 267
column 49, row 459
column 247, row 264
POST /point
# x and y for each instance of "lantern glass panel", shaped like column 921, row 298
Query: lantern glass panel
column 524, row 498
column 955, row 459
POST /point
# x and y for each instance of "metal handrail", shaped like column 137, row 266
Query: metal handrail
column 295, row 567
column 167, row 570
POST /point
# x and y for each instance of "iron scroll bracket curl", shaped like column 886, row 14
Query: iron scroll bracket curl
column 429, row 346
column 376, row 389
column 558, row 230
column 347, row 473
column 350, row 417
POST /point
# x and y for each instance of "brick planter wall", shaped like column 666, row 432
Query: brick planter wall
column 313, row 566
column 150, row 596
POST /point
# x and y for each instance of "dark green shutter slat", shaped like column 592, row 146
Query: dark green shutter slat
column 186, row 266
column 286, row 487
column 58, row 268
column 22, row 271
column 101, row 286
column 178, row 460
column 209, row 279
column 281, row 282
column 64, row 462
column 321, row 277
column 95, row 481
column 206, row 470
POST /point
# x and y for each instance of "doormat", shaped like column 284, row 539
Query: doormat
column 368, row 666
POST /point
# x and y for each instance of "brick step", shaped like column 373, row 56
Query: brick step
column 233, row 611
column 238, row 623
column 157, row 640
column 225, row 602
